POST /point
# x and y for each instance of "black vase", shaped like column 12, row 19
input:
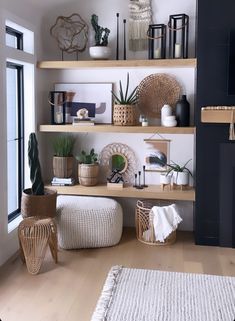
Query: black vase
column 182, row 110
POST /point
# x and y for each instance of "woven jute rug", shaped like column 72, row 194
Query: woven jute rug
column 151, row 295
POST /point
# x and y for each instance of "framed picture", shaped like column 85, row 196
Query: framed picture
column 158, row 155
column 95, row 97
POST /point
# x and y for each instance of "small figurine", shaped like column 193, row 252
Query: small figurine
column 82, row 113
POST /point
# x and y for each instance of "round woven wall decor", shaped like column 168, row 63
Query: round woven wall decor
column 156, row 90
column 121, row 149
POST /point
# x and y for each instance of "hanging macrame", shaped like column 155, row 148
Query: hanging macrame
column 139, row 21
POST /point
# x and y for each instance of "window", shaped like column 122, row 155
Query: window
column 14, row 38
column 20, row 112
column 15, row 138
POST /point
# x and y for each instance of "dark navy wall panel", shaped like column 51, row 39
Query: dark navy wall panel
column 215, row 20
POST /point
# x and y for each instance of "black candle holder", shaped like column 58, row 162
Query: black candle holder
column 144, row 185
column 157, row 41
column 178, row 26
column 117, row 48
column 124, row 39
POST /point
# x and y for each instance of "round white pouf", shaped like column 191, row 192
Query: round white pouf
column 86, row 222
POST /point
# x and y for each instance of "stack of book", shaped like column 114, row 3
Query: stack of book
column 56, row 181
column 82, row 122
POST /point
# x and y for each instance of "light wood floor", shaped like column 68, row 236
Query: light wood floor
column 69, row 291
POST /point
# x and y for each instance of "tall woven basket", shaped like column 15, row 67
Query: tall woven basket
column 125, row 115
column 144, row 224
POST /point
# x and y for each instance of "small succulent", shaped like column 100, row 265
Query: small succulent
column 101, row 34
column 125, row 98
column 85, row 158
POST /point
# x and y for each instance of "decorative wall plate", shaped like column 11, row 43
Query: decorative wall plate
column 156, row 90
column 119, row 149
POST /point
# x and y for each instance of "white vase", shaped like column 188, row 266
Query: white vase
column 165, row 111
column 181, row 178
column 100, row 52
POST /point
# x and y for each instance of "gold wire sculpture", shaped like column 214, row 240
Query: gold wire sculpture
column 71, row 33
column 35, row 234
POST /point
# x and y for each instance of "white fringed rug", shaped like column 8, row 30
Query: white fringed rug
column 151, row 295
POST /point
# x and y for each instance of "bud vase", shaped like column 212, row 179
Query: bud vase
column 182, row 109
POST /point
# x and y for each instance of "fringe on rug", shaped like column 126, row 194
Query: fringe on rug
column 105, row 300
column 139, row 21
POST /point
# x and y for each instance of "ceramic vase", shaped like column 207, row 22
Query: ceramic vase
column 182, row 109
column 100, row 52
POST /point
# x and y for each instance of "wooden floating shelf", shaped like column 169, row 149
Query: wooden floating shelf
column 217, row 116
column 150, row 192
column 161, row 63
column 98, row 128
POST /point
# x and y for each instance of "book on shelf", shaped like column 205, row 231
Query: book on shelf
column 56, row 181
column 82, row 122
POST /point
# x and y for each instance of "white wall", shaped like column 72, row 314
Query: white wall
column 106, row 11
column 40, row 16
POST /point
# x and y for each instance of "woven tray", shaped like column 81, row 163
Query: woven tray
column 156, row 90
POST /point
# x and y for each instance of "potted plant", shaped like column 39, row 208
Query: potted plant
column 63, row 158
column 125, row 111
column 37, row 200
column 101, row 49
column 88, row 168
column 180, row 174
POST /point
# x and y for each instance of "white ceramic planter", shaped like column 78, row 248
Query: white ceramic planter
column 181, row 178
column 165, row 179
column 100, row 52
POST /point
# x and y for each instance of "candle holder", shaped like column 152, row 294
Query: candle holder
column 178, row 26
column 157, row 41
column 144, row 185
column 57, row 100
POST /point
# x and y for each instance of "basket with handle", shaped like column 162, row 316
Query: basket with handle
column 144, row 223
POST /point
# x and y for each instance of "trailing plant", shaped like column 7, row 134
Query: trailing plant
column 124, row 98
column 85, row 158
column 101, row 34
column 34, row 165
column 63, row 146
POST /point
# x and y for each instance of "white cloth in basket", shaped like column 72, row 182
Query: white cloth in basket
column 165, row 220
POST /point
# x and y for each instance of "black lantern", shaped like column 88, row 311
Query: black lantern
column 57, row 100
column 157, row 41
column 178, row 35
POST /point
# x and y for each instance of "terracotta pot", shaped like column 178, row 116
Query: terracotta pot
column 88, row 174
column 63, row 167
column 38, row 205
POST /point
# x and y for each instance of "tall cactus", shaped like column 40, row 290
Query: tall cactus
column 34, row 165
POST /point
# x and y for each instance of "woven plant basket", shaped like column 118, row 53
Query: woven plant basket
column 144, row 223
column 125, row 115
column 38, row 205
column 88, row 174
column 62, row 167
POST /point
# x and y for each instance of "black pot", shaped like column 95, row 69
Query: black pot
column 182, row 110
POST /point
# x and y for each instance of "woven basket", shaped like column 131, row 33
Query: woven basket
column 88, row 174
column 38, row 205
column 125, row 115
column 144, row 223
